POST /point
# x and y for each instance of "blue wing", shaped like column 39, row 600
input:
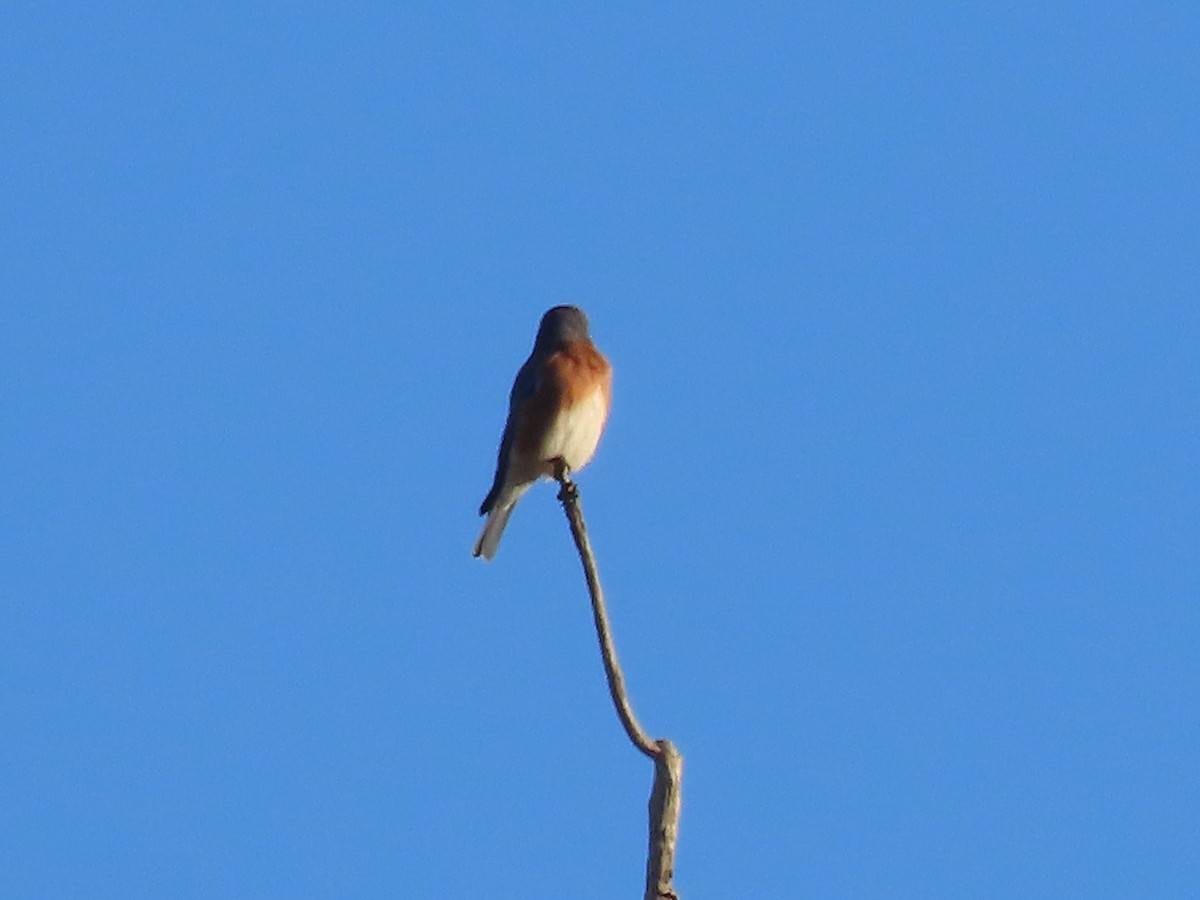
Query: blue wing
column 524, row 386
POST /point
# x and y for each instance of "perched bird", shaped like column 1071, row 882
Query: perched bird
column 556, row 412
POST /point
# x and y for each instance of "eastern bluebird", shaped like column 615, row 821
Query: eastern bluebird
column 556, row 411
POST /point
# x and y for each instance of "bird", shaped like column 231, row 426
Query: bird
column 557, row 410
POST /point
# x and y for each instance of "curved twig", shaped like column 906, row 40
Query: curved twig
column 569, row 495
column 665, row 796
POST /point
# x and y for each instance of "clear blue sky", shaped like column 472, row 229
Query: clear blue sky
column 897, row 509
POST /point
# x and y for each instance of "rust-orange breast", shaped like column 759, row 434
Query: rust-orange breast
column 566, row 415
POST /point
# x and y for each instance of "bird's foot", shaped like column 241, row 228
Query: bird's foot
column 562, row 474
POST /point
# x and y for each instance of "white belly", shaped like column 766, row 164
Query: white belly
column 575, row 433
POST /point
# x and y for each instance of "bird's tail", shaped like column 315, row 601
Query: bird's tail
column 497, row 518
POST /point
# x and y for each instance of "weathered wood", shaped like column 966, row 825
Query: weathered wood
column 665, row 796
column 665, row 801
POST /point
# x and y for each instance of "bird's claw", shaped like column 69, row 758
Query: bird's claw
column 562, row 474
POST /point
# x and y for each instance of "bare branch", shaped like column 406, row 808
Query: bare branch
column 665, row 801
column 665, row 796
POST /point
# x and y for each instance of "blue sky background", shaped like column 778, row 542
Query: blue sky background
column 897, row 508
